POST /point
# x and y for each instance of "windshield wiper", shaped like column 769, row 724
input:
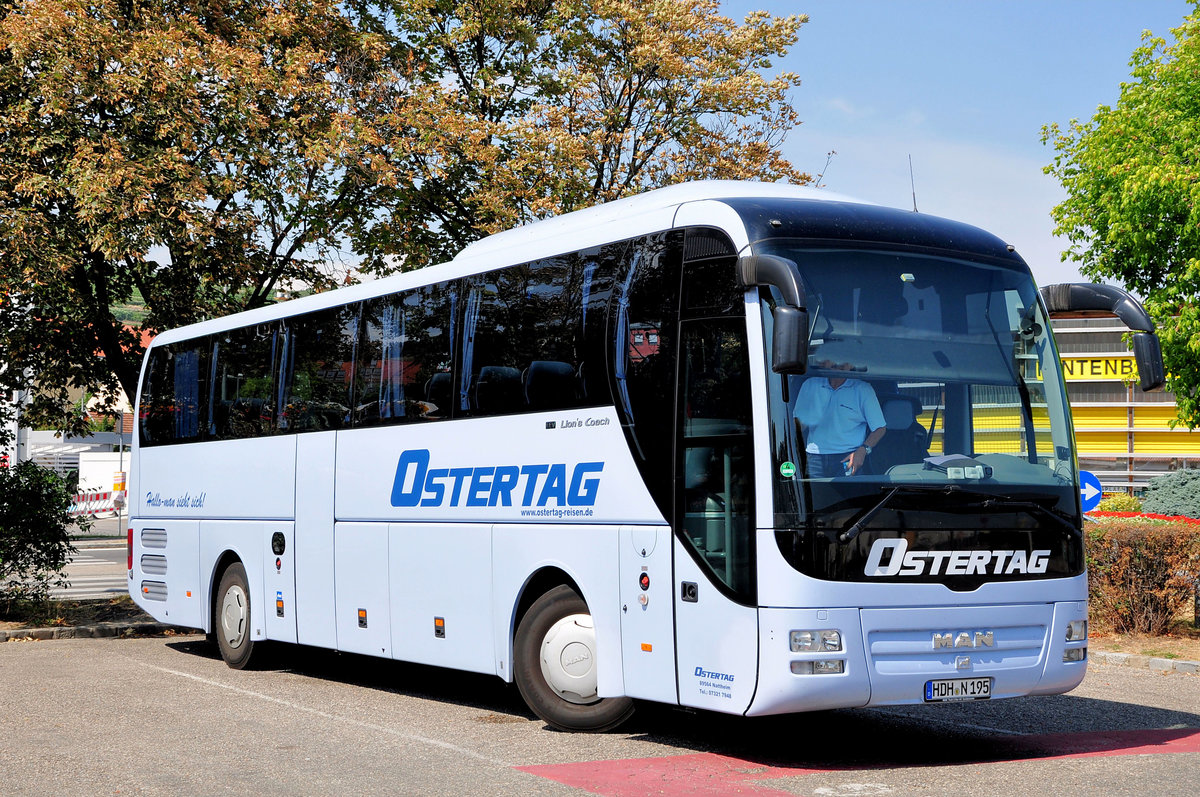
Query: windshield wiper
column 1033, row 507
column 856, row 529
column 989, row 501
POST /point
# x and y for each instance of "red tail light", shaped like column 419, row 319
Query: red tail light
column 129, row 549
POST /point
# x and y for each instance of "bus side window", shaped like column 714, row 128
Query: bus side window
column 174, row 400
column 157, row 402
column 322, row 359
column 522, row 339
column 244, row 382
column 645, row 299
column 403, row 366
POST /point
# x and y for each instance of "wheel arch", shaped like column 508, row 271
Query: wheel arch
column 227, row 558
column 538, row 584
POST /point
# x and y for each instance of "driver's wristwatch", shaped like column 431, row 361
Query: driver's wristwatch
column 866, row 448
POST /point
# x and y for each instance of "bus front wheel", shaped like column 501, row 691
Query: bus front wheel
column 555, row 665
column 232, row 616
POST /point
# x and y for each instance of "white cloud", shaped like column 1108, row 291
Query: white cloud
column 846, row 108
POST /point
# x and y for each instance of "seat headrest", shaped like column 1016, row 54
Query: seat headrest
column 899, row 411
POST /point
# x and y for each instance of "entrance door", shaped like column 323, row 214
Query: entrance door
column 715, row 613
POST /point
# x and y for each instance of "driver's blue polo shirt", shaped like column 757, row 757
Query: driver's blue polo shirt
column 836, row 421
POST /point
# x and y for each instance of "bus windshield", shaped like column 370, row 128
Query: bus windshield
column 954, row 358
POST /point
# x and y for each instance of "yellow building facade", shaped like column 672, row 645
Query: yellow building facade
column 1124, row 436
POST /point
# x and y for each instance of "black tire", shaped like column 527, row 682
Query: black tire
column 555, row 666
column 232, row 617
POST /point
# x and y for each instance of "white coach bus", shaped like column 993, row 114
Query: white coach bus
column 570, row 458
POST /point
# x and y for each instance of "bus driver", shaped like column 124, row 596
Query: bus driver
column 840, row 420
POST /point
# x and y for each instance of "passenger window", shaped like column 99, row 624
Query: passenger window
column 175, row 394
column 321, row 359
column 244, row 399
column 523, row 339
column 404, row 367
column 717, row 465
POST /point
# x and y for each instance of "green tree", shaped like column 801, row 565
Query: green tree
column 1132, row 212
column 221, row 137
column 542, row 107
column 204, row 153
column 34, row 543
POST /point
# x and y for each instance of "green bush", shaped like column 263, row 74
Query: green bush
column 1141, row 576
column 1119, row 502
column 1175, row 493
column 34, row 542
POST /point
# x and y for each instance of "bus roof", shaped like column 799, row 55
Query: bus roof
column 618, row 220
column 590, row 226
column 653, row 211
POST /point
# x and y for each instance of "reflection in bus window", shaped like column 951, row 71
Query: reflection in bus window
column 404, row 367
column 523, row 338
column 322, row 358
column 243, row 391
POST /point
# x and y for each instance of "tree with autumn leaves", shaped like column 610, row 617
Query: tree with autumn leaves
column 206, row 154
column 1132, row 212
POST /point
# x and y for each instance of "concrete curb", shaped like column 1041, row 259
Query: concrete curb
column 99, row 630
column 99, row 542
column 1151, row 663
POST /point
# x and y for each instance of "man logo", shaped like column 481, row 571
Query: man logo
column 980, row 639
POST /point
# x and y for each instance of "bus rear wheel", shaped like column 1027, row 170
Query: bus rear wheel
column 555, row 665
column 232, row 617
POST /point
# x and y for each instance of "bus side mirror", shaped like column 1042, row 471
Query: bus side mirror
column 789, row 346
column 1085, row 300
column 1148, row 353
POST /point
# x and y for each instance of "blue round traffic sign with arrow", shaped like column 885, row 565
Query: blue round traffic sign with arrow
column 1090, row 491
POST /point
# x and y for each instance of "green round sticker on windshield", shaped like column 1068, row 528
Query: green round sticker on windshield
column 787, row 470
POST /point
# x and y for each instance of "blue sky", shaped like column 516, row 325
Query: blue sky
column 965, row 88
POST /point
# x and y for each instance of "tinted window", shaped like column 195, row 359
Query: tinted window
column 523, row 338
column 321, row 349
column 644, row 302
column 404, row 370
column 174, row 396
column 716, row 460
column 244, row 399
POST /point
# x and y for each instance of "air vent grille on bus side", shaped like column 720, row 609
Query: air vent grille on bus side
column 704, row 244
column 154, row 590
column 154, row 538
column 154, row 565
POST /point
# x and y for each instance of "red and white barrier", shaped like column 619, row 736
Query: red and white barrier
column 91, row 504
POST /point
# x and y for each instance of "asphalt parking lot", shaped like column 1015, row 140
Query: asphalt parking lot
column 164, row 715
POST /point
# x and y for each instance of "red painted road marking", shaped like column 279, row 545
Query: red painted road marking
column 712, row 774
column 1112, row 743
column 672, row 776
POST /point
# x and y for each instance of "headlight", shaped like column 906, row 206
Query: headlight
column 1076, row 630
column 826, row 639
